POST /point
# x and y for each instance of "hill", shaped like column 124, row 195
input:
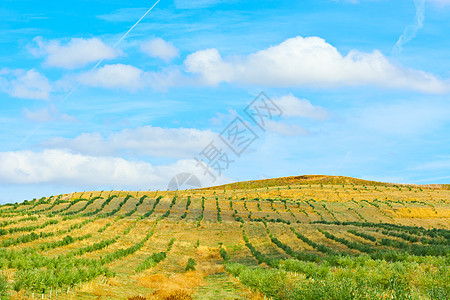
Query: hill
column 314, row 179
column 303, row 179
column 303, row 237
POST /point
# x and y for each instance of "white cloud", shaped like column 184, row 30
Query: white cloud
column 159, row 48
column 410, row 31
column 310, row 61
column 285, row 129
column 166, row 78
column 131, row 78
column 210, row 66
column 63, row 167
column 147, row 140
column 292, row 108
column 114, row 76
column 295, row 107
column 25, row 84
column 48, row 114
column 78, row 52
column 191, row 4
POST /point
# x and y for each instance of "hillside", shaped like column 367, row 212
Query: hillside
column 303, row 179
column 314, row 179
column 303, row 237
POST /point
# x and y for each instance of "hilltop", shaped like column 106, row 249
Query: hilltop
column 302, row 179
column 315, row 179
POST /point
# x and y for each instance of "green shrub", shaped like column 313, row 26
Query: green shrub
column 190, row 266
column 223, row 253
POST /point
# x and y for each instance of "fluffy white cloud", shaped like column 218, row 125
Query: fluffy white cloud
column 147, row 140
column 63, row 167
column 295, row 107
column 114, row 76
column 309, row 61
column 78, row 52
column 159, row 48
column 25, row 84
column 211, row 67
column 47, row 114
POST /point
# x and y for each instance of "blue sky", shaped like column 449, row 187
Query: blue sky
column 363, row 87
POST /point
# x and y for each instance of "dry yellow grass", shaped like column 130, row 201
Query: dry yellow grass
column 421, row 213
column 171, row 286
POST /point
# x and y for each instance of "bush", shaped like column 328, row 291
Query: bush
column 235, row 269
column 190, row 266
column 223, row 253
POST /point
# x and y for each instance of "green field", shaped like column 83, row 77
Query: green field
column 306, row 237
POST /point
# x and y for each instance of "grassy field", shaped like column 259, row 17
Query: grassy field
column 305, row 237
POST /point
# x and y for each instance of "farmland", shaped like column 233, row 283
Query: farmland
column 306, row 237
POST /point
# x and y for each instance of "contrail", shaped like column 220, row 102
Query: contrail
column 75, row 87
column 115, row 45
column 138, row 21
column 411, row 30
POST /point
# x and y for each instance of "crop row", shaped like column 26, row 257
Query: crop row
column 71, row 203
column 235, row 213
column 305, row 256
column 414, row 249
column 167, row 213
column 319, row 247
column 219, row 218
column 40, row 273
column 115, row 210
column 260, row 258
column 141, row 200
column 151, row 211
column 188, row 203
column 27, row 228
column 435, row 232
column 10, row 222
column 96, row 211
column 200, row 218
column 154, row 259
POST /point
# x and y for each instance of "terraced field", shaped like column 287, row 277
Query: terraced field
column 308, row 237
